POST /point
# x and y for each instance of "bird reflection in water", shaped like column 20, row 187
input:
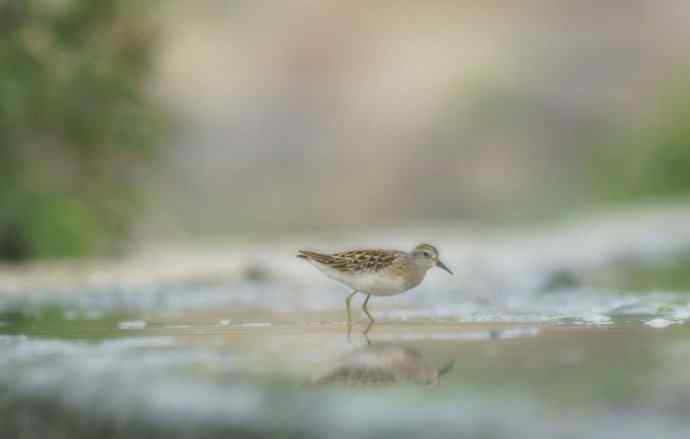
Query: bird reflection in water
column 383, row 364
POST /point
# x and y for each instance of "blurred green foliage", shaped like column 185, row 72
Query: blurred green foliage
column 640, row 275
column 650, row 162
column 77, row 126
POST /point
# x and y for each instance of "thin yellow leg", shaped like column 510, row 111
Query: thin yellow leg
column 347, row 304
column 366, row 311
column 366, row 331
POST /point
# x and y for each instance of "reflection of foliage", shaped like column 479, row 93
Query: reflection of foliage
column 75, row 123
column 653, row 162
column 56, row 321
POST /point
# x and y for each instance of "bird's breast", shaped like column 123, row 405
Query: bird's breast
column 378, row 283
column 387, row 282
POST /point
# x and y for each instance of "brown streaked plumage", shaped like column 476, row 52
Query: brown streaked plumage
column 383, row 364
column 375, row 271
column 356, row 260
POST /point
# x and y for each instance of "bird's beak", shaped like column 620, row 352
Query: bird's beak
column 440, row 264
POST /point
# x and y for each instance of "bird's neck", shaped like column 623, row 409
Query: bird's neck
column 417, row 274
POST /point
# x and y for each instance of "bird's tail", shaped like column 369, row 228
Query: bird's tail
column 318, row 257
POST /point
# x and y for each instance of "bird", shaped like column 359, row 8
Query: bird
column 376, row 272
column 383, row 364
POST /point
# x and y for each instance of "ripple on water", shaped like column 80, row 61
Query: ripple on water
column 460, row 335
column 139, row 342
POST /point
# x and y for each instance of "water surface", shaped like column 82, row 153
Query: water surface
column 540, row 336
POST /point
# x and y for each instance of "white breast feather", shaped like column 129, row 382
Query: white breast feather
column 370, row 282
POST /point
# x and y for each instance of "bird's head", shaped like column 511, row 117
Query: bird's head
column 426, row 256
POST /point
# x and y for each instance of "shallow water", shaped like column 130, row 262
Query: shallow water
column 524, row 343
column 228, row 370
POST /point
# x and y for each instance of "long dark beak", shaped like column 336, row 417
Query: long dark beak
column 440, row 264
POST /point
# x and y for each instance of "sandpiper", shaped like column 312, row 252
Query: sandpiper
column 383, row 364
column 376, row 272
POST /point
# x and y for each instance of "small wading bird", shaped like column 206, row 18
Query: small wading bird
column 383, row 364
column 376, row 272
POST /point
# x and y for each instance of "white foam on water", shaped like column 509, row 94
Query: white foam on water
column 597, row 319
column 132, row 324
column 255, row 324
column 659, row 323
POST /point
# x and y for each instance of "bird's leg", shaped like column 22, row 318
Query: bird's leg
column 366, row 331
column 366, row 311
column 347, row 304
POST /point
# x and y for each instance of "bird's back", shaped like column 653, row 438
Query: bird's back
column 354, row 261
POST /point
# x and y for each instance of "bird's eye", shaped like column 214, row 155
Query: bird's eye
column 427, row 254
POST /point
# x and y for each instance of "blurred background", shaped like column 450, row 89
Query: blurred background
column 126, row 123
column 161, row 161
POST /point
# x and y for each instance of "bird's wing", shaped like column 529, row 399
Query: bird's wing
column 353, row 261
column 365, row 260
